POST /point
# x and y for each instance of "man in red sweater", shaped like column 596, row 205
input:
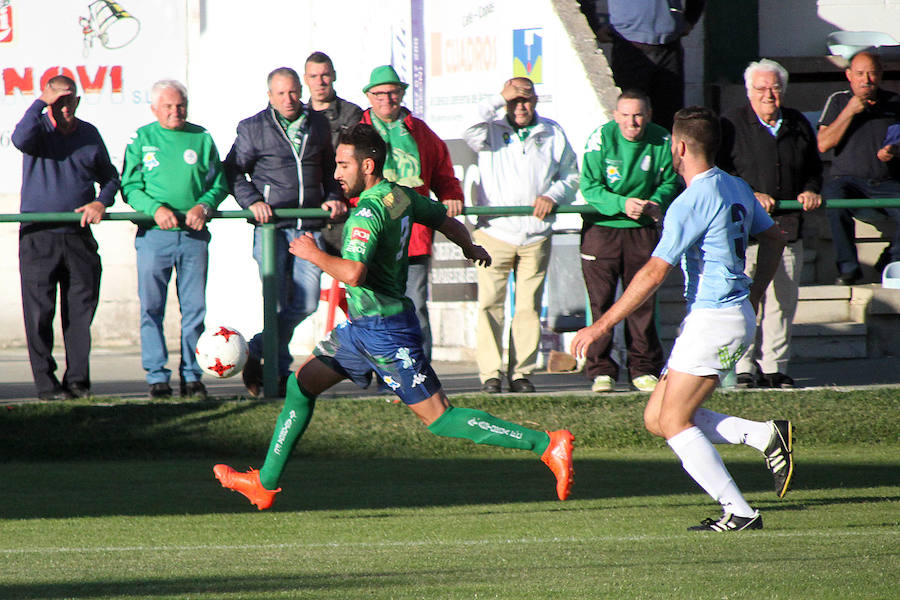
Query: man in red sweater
column 419, row 159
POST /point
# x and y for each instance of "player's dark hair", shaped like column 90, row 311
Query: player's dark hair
column 634, row 94
column 320, row 58
column 366, row 144
column 699, row 128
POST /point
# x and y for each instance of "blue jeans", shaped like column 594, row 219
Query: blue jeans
column 841, row 219
column 299, row 288
column 417, row 291
column 158, row 252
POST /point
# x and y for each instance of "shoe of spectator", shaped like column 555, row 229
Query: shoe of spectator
column 79, row 390
column 730, row 522
column 253, row 376
column 603, row 383
column 521, row 386
column 645, row 383
column 491, row 386
column 247, row 484
column 58, row 393
column 848, row 278
column 746, row 380
column 777, row 380
column 780, row 455
column 193, row 389
column 558, row 456
column 160, row 390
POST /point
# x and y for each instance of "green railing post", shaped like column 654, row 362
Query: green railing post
column 270, row 311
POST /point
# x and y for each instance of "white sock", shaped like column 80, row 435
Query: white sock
column 701, row 461
column 725, row 429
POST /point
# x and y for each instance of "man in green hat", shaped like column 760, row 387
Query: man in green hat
column 416, row 158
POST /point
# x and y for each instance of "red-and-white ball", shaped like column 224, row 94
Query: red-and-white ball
column 222, row 351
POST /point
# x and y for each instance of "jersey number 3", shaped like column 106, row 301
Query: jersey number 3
column 738, row 215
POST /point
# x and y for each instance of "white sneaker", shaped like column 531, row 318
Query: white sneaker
column 603, row 383
column 645, row 383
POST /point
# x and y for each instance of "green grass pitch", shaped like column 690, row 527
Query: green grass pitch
column 118, row 501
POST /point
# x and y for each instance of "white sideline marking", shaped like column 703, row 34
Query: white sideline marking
column 413, row 543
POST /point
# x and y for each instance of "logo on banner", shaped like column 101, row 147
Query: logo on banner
column 528, row 53
column 6, row 22
column 109, row 23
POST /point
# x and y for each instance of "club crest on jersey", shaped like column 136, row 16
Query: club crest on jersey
column 645, row 163
column 358, row 233
column 150, row 161
column 613, row 174
column 190, row 157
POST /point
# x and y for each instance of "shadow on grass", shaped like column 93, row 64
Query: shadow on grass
column 178, row 487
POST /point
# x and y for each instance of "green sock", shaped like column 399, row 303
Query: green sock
column 291, row 423
column 484, row 428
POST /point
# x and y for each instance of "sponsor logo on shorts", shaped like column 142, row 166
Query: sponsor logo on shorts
column 361, row 234
column 391, row 382
column 419, row 379
column 403, row 355
column 729, row 359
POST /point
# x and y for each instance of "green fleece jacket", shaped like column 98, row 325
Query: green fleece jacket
column 615, row 169
column 173, row 168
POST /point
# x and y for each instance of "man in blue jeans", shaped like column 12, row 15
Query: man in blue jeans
column 283, row 158
column 172, row 165
column 854, row 123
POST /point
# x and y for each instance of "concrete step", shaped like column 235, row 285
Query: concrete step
column 829, row 340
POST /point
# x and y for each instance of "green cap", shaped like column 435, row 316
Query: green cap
column 384, row 74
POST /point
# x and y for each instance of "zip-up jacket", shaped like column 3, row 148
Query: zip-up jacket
column 437, row 176
column 514, row 172
column 263, row 165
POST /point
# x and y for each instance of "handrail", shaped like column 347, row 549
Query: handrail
column 269, row 284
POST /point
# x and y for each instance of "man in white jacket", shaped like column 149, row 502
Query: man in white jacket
column 525, row 160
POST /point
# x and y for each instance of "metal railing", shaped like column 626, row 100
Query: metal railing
column 269, row 283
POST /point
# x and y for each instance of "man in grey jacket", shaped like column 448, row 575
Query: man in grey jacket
column 283, row 158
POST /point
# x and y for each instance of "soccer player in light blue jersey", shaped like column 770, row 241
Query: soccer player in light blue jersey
column 706, row 228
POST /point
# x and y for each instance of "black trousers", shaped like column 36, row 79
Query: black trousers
column 69, row 262
column 656, row 70
column 610, row 254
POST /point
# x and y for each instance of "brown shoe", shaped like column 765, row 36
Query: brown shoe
column 253, row 376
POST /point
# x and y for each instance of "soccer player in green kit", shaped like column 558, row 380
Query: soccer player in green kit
column 383, row 334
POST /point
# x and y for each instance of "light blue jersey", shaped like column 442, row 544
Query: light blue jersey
column 707, row 227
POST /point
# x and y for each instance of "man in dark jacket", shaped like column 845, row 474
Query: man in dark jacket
column 63, row 157
column 773, row 148
column 283, row 158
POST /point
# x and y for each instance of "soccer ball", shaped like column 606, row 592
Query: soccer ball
column 222, row 352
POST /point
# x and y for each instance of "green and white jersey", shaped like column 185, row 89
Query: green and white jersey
column 377, row 235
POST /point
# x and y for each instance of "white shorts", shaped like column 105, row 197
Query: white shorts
column 711, row 340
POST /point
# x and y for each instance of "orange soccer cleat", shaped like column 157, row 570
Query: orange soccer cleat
column 247, row 484
column 558, row 456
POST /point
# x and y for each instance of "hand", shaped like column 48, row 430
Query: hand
column 92, row 212
column 262, row 212
column 52, row 93
column 634, row 208
column 512, row 90
column 809, row 200
column 304, row 247
column 886, row 154
column 165, row 218
column 857, row 104
column 652, row 210
column 477, row 254
column 543, row 206
column 584, row 338
column 454, row 207
column 334, row 207
column 196, row 217
column 767, row 201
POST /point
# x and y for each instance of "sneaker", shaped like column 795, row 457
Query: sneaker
column 247, row 484
column 848, row 278
column 160, row 390
column 521, row 386
column 645, row 383
column 193, row 389
column 730, row 522
column 79, row 390
column 603, row 383
column 780, row 455
column 745, row 381
column 253, row 376
column 491, row 386
column 777, row 381
column 558, row 456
